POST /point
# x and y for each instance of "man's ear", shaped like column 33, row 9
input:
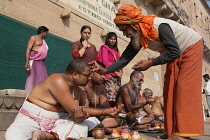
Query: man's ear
column 134, row 78
column 90, row 77
column 74, row 74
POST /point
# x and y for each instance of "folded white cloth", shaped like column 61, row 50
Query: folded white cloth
column 92, row 122
column 66, row 128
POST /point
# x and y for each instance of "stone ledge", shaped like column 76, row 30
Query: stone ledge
column 14, row 92
column 12, row 99
column 10, row 102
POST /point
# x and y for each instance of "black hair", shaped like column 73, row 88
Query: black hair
column 206, row 76
column 110, row 35
column 77, row 65
column 85, row 27
column 101, row 64
column 136, row 74
column 42, row 29
column 82, row 29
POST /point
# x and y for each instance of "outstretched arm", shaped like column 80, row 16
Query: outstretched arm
column 166, row 35
column 104, row 112
column 128, row 54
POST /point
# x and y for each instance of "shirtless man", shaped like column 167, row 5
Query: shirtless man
column 53, row 95
column 158, row 109
column 96, row 91
column 36, row 52
column 127, row 96
column 97, row 98
column 145, row 113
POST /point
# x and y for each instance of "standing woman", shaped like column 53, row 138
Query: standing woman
column 83, row 49
column 108, row 54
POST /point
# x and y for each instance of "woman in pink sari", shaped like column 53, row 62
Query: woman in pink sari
column 108, row 54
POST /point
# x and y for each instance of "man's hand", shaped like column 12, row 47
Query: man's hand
column 119, row 73
column 114, row 111
column 143, row 65
column 27, row 67
column 149, row 100
column 95, row 67
column 79, row 114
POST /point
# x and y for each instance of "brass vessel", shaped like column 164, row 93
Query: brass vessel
column 28, row 69
column 98, row 133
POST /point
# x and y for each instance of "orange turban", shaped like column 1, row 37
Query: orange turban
column 129, row 14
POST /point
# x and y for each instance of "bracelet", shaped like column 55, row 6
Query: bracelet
column 102, row 112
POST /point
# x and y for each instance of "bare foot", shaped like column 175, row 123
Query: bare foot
column 162, row 137
column 36, row 135
column 155, row 123
column 178, row 138
column 40, row 135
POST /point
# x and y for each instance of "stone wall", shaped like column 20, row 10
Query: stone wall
column 65, row 21
column 48, row 13
column 10, row 102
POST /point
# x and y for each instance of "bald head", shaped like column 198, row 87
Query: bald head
column 147, row 93
column 136, row 74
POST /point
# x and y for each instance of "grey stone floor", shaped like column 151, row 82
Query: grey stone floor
column 152, row 136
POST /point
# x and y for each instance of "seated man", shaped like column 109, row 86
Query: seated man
column 158, row 110
column 145, row 113
column 55, row 94
column 127, row 96
column 97, row 98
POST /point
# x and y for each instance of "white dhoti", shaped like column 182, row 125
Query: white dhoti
column 140, row 117
column 70, row 129
column 91, row 122
column 23, row 126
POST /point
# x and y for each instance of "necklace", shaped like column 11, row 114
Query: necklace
column 94, row 94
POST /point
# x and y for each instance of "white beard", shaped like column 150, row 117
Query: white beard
column 135, row 84
column 136, row 41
